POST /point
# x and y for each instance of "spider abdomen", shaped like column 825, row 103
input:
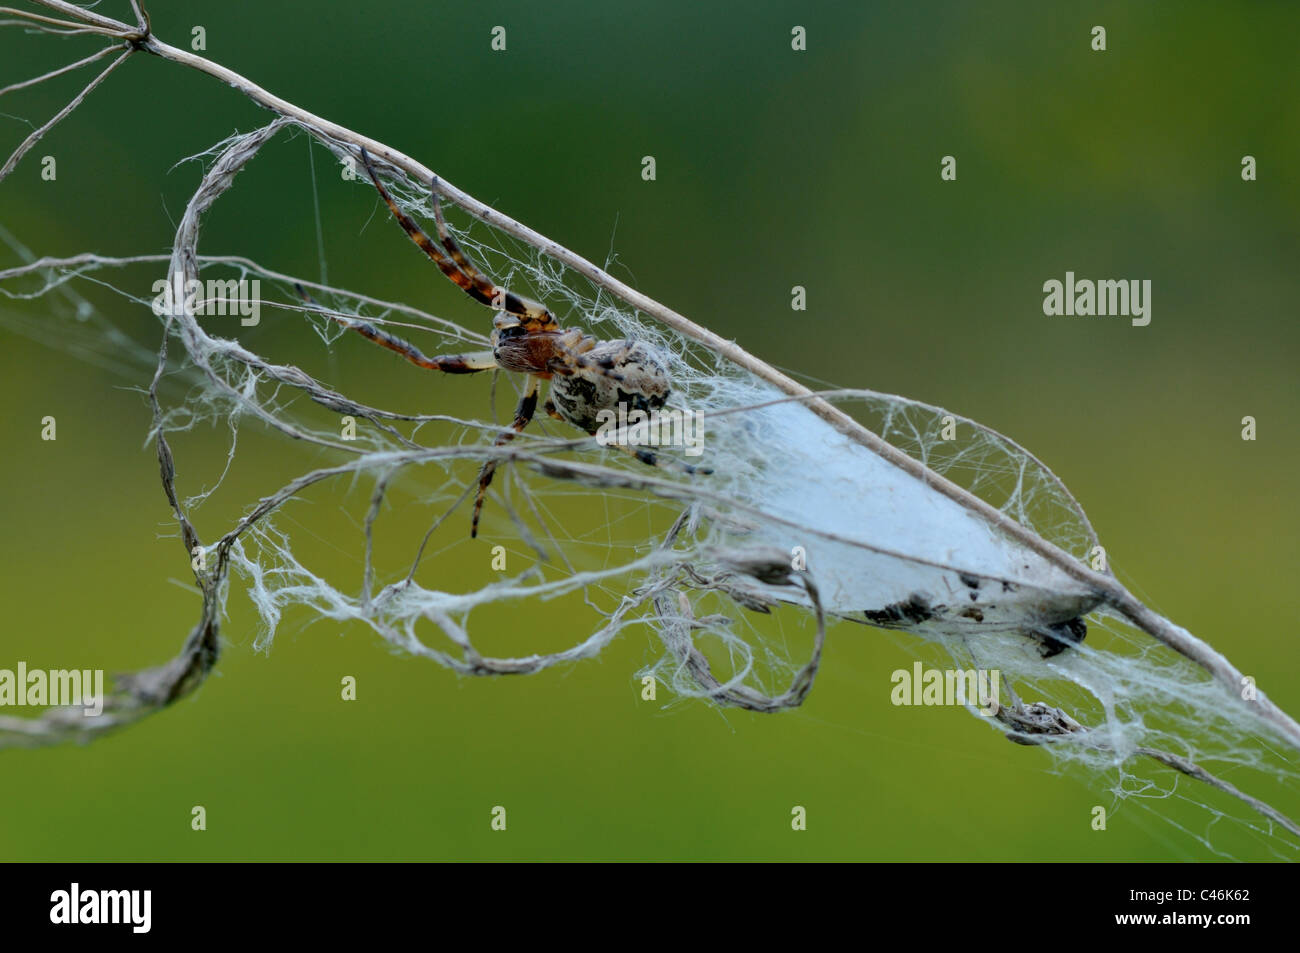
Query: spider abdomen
column 611, row 374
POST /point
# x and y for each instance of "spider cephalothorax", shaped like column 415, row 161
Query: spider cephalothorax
column 587, row 375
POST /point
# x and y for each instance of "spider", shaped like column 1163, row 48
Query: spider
column 587, row 375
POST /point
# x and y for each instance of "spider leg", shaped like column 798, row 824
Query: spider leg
column 457, row 267
column 523, row 414
column 447, row 363
column 538, row 316
column 549, row 407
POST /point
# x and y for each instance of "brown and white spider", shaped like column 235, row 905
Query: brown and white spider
column 586, row 375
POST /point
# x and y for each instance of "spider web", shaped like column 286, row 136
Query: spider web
column 701, row 566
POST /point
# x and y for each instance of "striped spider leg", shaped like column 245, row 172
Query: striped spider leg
column 586, row 375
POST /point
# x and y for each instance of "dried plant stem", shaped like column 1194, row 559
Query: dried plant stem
column 35, row 137
column 43, row 23
column 1109, row 589
column 1194, row 770
column 1041, row 724
column 87, row 17
column 60, row 71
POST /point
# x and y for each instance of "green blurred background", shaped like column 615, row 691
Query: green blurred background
column 775, row 168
